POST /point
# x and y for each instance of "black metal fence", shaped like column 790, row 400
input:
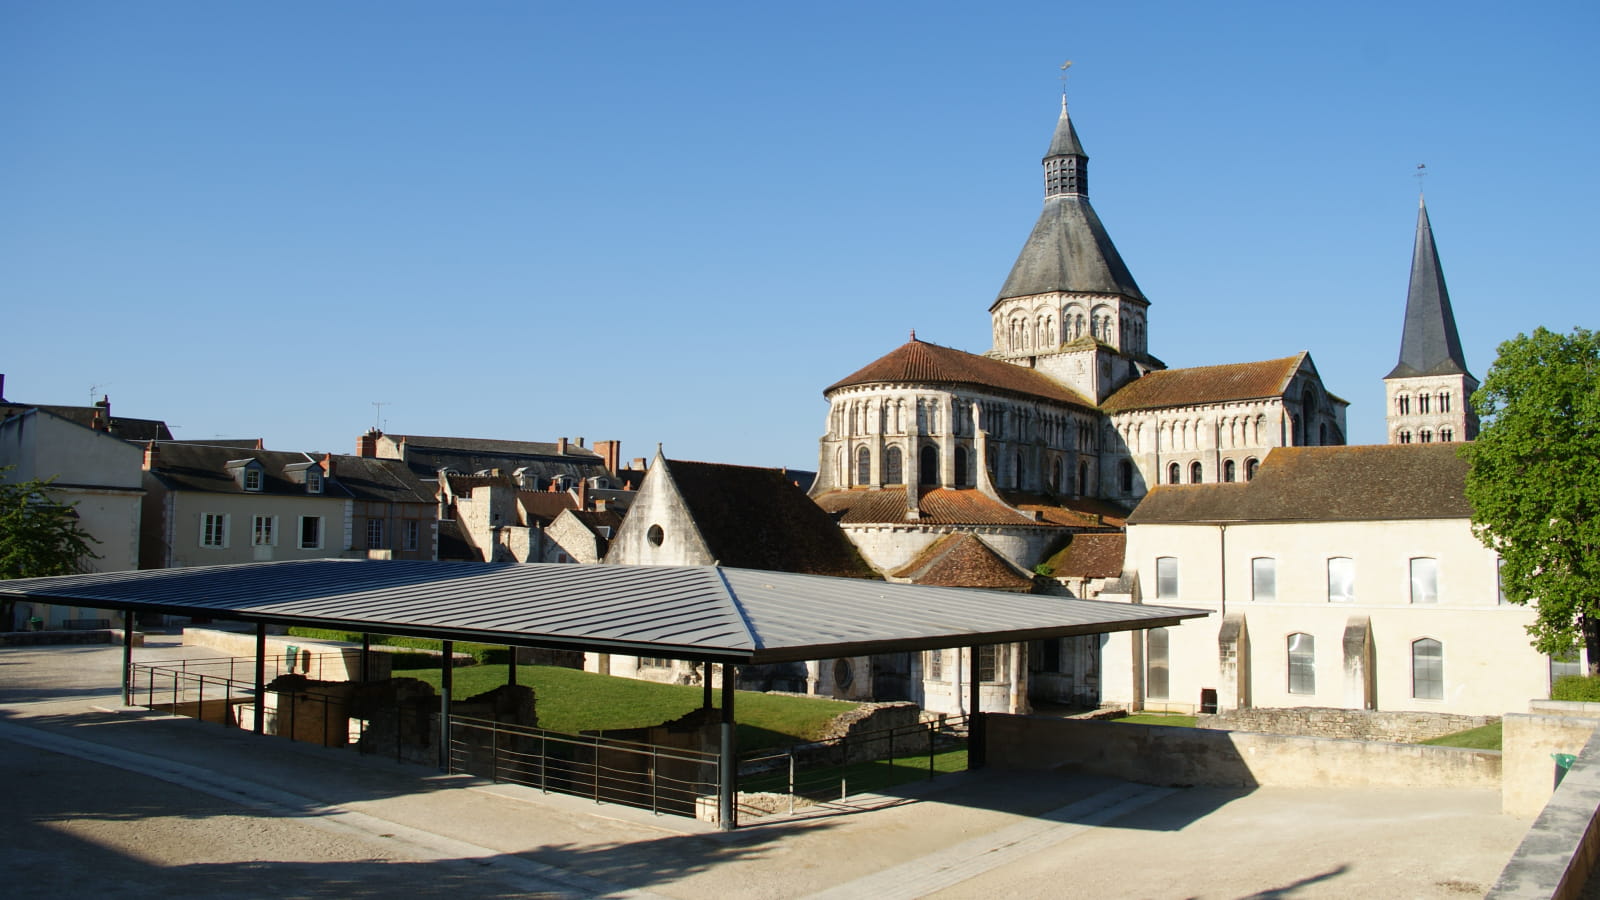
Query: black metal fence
column 861, row 763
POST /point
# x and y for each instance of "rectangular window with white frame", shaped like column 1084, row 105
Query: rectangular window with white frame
column 310, row 532
column 1424, row 580
column 413, row 534
column 264, row 532
column 1264, row 579
column 214, row 530
column 1341, row 579
column 1167, row 578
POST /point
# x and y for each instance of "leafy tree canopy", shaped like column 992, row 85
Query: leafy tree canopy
column 38, row 535
column 1534, row 481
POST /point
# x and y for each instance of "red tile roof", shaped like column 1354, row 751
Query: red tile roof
column 918, row 362
column 939, row 506
column 1090, row 555
column 964, row 560
column 1206, row 384
column 1331, row 484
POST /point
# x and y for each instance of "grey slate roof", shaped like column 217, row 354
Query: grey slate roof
column 201, row 467
column 692, row 612
column 1069, row 250
column 1429, row 344
column 427, row 455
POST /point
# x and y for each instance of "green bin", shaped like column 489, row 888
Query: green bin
column 1564, row 763
column 291, row 655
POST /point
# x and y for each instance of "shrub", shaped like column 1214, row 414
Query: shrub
column 1583, row 688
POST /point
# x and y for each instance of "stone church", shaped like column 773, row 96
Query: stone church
column 1066, row 422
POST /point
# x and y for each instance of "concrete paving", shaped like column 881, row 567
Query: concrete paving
column 103, row 799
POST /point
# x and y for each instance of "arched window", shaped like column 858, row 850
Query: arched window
column 1174, row 474
column 1425, row 436
column 1422, row 403
column 1403, row 404
column 1227, row 470
column 1302, row 664
column 1195, row 473
column 928, row 465
column 962, row 464
column 1405, row 437
column 1083, row 478
column 863, row 466
column 1322, row 434
column 1427, row 669
column 1251, row 466
column 1447, row 435
column 1125, row 471
column 1444, row 401
column 1016, row 471
column 893, row 470
column 1156, row 664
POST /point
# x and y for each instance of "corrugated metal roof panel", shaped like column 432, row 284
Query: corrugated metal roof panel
column 703, row 612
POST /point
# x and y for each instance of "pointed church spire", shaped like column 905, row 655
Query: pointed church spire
column 1429, row 344
column 1066, row 166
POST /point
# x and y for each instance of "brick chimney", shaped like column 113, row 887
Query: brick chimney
column 610, row 454
column 561, row 446
column 2, row 387
column 367, row 444
column 327, row 465
column 583, row 493
column 152, row 454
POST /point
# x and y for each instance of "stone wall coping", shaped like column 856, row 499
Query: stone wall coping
column 1557, row 857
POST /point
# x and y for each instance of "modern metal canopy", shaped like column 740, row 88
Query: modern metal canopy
column 738, row 616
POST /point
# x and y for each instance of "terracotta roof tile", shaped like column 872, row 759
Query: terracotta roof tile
column 543, row 506
column 939, row 506
column 919, row 362
column 964, row 560
column 1090, row 555
column 1361, row 483
column 1206, row 384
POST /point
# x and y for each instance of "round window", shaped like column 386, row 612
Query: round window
column 655, row 535
column 842, row 673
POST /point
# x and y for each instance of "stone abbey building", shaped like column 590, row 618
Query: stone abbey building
column 1066, row 422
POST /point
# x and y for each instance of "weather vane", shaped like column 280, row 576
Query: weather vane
column 1422, row 172
column 1064, row 67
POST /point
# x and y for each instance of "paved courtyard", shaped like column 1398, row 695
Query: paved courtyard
column 116, row 802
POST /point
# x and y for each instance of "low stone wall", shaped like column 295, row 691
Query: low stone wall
column 41, row 638
column 1349, row 724
column 334, row 661
column 1530, row 743
column 1169, row 755
column 1557, row 857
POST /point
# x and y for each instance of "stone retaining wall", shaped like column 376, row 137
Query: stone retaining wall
column 1349, row 724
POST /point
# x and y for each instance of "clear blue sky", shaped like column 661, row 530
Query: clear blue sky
column 678, row 223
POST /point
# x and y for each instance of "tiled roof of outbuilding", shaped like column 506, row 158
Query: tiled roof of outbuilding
column 964, row 560
column 544, row 506
column 1206, row 384
column 1090, row 555
column 1360, row 483
column 756, row 518
column 919, row 362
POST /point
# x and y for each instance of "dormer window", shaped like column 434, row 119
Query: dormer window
column 247, row 474
column 313, row 481
column 252, row 479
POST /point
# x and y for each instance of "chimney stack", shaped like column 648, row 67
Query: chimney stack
column 367, row 444
column 561, row 446
column 327, row 465
column 583, row 493
column 2, row 387
column 151, row 454
column 610, row 454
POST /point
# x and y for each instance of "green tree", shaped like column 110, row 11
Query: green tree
column 38, row 535
column 1534, row 482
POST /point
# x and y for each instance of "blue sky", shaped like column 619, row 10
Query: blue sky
column 678, row 223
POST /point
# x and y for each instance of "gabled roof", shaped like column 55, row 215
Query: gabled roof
column 1090, row 555
column 490, row 447
column 964, row 560
column 388, row 480
column 117, row 426
column 756, row 518
column 936, row 506
column 542, row 507
column 199, row 467
column 468, row 456
column 1386, row 482
column 690, row 612
column 919, row 362
column 1206, row 384
column 1429, row 344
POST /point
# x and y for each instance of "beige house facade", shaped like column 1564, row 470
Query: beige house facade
column 1343, row 577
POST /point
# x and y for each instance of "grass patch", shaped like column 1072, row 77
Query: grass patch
column 1157, row 719
column 483, row 653
column 1485, row 738
column 574, row 701
column 1580, row 688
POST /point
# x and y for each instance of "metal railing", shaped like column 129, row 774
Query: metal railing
column 860, row 763
column 211, row 689
column 649, row 776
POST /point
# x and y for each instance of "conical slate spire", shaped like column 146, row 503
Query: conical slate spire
column 1069, row 250
column 1429, row 344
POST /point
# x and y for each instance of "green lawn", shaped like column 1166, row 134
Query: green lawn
column 573, row 701
column 1157, row 719
column 1485, row 738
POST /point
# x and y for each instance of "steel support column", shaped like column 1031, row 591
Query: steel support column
column 127, row 658
column 366, row 657
column 728, row 765
column 975, row 723
column 511, row 666
column 446, row 681
column 705, row 684
column 261, row 678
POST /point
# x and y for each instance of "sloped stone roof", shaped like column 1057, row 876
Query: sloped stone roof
column 1206, row 384
column 1090, row 555
column 963, row 560
column 1359, row 483
column 919, row 362
column 756, row 518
